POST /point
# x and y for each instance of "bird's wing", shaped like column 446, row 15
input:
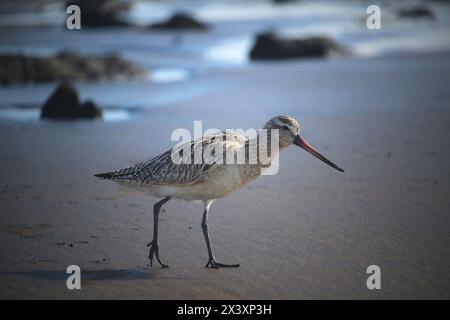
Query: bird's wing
column 163, row 170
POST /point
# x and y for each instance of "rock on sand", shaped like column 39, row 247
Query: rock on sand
column 66, row 65
column 180, row 21
column 64, row 104
column 269, row 46
column 102, row 13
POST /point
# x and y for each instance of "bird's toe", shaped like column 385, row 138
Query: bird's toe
column 225, row 265
column 154, row 251
column 217, row 265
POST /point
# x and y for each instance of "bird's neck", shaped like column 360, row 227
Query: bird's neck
column 265, row 147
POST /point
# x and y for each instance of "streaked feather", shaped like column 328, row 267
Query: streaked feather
column 162, row 170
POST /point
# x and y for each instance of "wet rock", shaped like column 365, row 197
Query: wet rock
column 90, row 110
column 416, row 12
column 181, row 21
column 269, row 46
column 66, row 65
column 64, row 104
column 102, row 13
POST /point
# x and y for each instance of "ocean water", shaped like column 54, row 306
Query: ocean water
column 176, row 60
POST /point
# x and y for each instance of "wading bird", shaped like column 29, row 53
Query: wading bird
column 162, row 177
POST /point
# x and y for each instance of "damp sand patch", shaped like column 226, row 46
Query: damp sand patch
column 25, row 231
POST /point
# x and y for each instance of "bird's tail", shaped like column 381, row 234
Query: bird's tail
column 106, row 175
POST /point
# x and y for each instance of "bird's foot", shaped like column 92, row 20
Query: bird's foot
column 154, row 250
column 216, row 265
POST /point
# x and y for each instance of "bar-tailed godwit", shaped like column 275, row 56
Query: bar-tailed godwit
column 162, row 177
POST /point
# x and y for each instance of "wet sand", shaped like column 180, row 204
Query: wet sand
column 307, row 232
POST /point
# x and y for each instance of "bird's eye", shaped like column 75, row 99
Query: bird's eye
column 285, row 128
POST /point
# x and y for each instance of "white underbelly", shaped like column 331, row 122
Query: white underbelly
column 216, row 185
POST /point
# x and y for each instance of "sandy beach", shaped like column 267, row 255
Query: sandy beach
column 308, row 232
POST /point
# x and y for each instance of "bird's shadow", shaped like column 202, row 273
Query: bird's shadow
column 103, row 274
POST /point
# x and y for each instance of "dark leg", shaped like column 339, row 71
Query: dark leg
column 211, row 260
column 154, row 249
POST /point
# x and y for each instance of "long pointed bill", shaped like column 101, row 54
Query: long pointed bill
column 305, row 145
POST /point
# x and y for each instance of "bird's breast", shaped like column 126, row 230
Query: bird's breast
column 229, row 178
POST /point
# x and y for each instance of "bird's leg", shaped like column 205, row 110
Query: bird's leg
column 154, row 249
column 212, row 263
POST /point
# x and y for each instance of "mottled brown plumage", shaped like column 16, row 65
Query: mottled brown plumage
column 194, row 170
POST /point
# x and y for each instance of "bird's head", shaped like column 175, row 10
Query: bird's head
column 289, row 133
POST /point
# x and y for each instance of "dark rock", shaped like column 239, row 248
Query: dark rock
column 416, row 12
column 269, row 46
column 66, row 65
column 64, row 104
column 89, row 109
column 181, row 21
column 102, row 13
column 283, row 1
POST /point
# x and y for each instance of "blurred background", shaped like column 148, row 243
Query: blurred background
column 169, row 58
